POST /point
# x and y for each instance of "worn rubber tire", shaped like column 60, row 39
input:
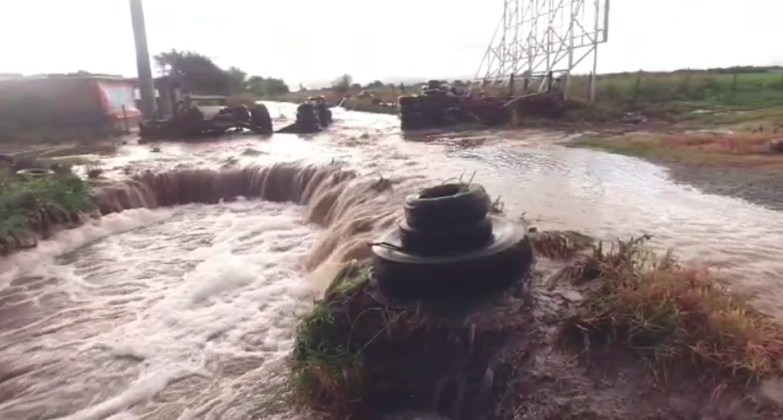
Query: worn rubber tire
column 324, row 114
column 462, row 278
column 447, row 240
column 447, row 205
column 308, row 127
column 405, row 101
column 259, row 116
column 308, row 119
column 305, row 107
column 35, row 172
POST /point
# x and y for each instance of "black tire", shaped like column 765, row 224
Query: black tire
column 305, row 107
column 310, row 117
column 410, row 110
column 434, row 84
column 459, row 278
column 324, row 114
column 259, row 116
column 407, row 100
column 447, row 205
column 447, row 240
column 35, row 172
column 411, row 122
column 307, row 127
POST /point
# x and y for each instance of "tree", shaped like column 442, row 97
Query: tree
column 195, row 71
column 343, row 83
column 269, row 86
column 374, row 85
column 199, row 74
column 237, row 80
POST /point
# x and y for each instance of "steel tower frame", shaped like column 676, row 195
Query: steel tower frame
column 536, row 38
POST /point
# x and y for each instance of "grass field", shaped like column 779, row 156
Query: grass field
column 695, row 89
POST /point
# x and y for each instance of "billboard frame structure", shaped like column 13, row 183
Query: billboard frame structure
column 536, row 39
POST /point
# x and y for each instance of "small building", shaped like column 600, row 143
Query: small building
column 74, row 103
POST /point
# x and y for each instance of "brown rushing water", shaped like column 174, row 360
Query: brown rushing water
column 188, row 312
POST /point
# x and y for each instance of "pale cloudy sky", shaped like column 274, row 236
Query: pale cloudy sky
column 305, row 40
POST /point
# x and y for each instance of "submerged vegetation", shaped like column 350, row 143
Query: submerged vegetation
column 33, row 204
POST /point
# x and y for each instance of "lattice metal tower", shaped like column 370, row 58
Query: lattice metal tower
column 537, row 37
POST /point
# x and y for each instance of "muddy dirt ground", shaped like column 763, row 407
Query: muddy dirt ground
column 561, row 384
column 756, row 185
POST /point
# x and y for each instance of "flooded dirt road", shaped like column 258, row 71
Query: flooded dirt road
column 188, row 312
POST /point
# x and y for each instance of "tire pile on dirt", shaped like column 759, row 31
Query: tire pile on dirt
column 446, row 243
column 438, row 107
column 428, row 110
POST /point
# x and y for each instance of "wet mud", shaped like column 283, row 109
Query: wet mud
column 755, row 185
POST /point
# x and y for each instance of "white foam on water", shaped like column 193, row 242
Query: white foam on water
column 71, row 239
column 180, row 310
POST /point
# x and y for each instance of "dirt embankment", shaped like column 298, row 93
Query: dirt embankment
column 745, row 165
column 588, row 334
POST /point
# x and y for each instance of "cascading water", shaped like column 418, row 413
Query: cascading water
column 187, row 312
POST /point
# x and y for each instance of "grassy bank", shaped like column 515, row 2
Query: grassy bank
column 739, row 149
column 31, row 206
column 356, row 356
column 679, row 320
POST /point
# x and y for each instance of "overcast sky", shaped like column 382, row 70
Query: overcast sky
column 307, row 40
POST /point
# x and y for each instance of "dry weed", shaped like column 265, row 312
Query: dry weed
column 557, row 244
column 678, row 319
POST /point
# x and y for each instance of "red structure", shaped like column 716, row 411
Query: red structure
column 75, row 102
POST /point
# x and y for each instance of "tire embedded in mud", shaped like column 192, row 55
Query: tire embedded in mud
column 449, row 246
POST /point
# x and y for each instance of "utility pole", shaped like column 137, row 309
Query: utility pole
column 146, row 84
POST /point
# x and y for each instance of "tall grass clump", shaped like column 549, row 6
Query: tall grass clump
column 680, row 320
column 26, row 202
column 326, row 371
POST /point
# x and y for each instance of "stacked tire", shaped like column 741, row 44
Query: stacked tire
column 450, row 246
column 411, row 115
column 446, row 219
column 435, row 107
column 436, row 103
column 259, row 117
column 324, row 113
column 307, row 118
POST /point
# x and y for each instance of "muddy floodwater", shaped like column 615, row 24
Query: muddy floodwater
column 188, row 312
